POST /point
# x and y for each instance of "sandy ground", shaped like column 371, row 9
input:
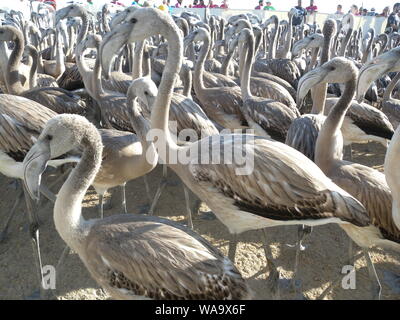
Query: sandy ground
column 320, row 263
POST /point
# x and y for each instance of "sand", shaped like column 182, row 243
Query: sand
column 320, row 264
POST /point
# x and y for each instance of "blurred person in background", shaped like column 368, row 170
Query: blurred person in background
column 212, row 5
column 260, row 5
column 354, row 10
column 200, row 5
column 224, row 4
column 312, row 7
column 372, row 13
column 269, row 7
column 339, row 9
column 178, row 4
column 364, row 12
column 393, row 19
column 299, row 17
column 385, row 12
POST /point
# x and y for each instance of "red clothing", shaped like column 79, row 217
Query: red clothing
column 213, row 6
column 51, row 2
column 177, row 5
column 258, row 8
column 312, row 9
column 224, row 6
column 199, row 6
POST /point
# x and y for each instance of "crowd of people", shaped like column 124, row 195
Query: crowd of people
column 393, row 23
column 393, row 16
column 194, row 4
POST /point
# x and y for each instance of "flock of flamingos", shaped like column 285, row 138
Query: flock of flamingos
column 82, row 93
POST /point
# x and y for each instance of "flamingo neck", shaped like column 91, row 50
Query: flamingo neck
column 392, row 174
column 68, row 219
column 320, row 91
column 274, row 38
column 84, row 29
column 137, row 69
column 85, row 71
column 247, row 60
column 33, row 71
column 161, row 106
column 199, row 67
column 149, row 157
column 329, row 146
column 96, row 79
column 187, row 81
column 388, row 92
column 14, row 85
column 226, row 62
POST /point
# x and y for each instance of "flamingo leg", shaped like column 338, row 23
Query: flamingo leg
column 274, row 274
column 101, row 206
column 188, row 211
column 302, row 232
column 123, row 192
column 160, row 189
column 376, row 287
column 34, row 233
column 232, row 248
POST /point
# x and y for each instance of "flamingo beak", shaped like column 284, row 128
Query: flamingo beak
column 111, row 45
column 309, row 80
column 387, row 62
column 34, row 165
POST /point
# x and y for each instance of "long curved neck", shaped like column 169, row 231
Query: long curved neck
column 86, row 73
column 320, row 91
column 96, row 79
column 139, row 123
column 221, row 36
column 345, row 43
column 329, row 144
column 4, row 55
column 137, row 68
column 67, row 209
column 388, row 92
column 146, row 63
column 210, row 52
column 274, row 39
column 84, row 28
column 71, row 42
column 199, row 67
column 33, row 72
column 289, row 36
column 392, row 174
column 258, row 40
column 245, row 75
column 314, row 57
column 160, row 110
column 226, row 62
column 104, row 15
column 14, row 85
column 60, row 57
column 187, row 81
column 368, row 50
